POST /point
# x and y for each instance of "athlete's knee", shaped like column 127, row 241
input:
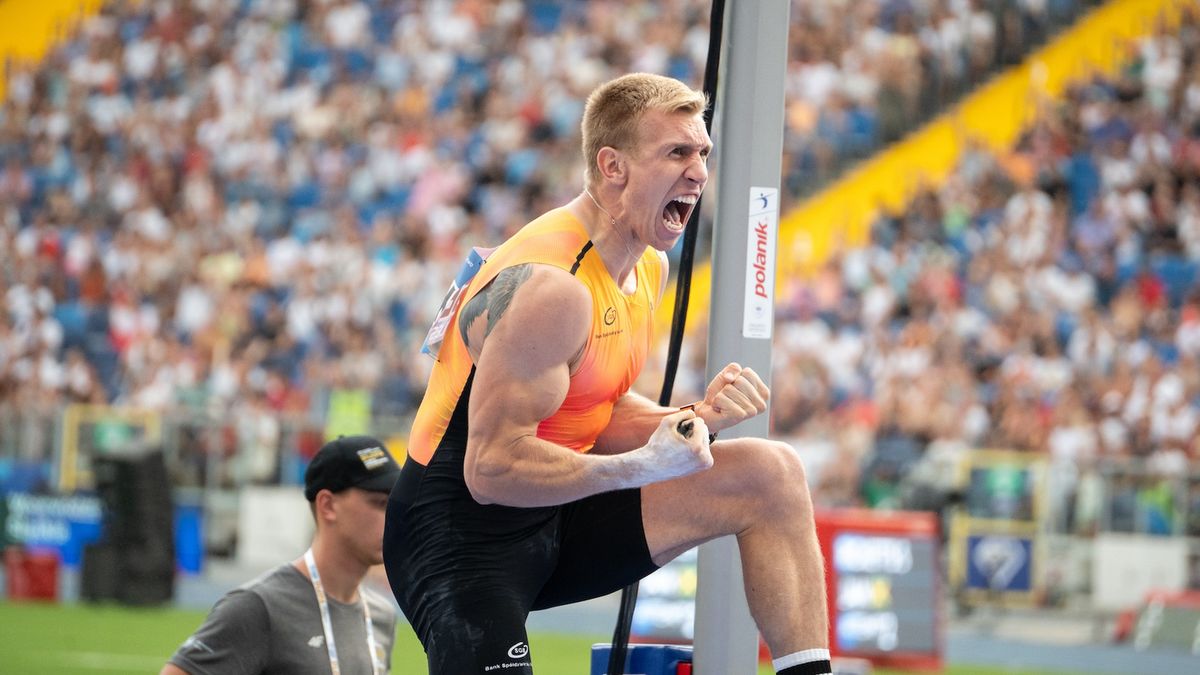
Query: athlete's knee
column 783, row 482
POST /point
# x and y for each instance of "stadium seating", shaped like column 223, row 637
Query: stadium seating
column 246, row 212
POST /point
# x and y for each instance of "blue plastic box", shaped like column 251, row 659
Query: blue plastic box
column 644, row 659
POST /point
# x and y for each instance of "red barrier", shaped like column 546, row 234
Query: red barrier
column 30, row 575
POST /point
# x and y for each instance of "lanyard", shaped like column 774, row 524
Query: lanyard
column 327, row 624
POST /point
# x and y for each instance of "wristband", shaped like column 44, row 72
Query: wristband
column 712, row 437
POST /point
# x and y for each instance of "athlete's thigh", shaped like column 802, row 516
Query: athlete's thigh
column 466, row 574
column 483, row 632
column 685, row 512
column 602, row 548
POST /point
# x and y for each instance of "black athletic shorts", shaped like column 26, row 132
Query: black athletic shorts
column 467, row 575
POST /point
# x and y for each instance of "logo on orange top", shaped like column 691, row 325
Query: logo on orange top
column 611, row 327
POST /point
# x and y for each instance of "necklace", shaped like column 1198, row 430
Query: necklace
column 588, row 192
column 604, row 210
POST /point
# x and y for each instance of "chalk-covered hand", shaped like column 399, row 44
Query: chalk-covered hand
column 678, row 447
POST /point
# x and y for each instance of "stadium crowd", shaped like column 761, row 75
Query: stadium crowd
column 251, row 202
column 244, row 207
column 1045, row 300
column 861, row 74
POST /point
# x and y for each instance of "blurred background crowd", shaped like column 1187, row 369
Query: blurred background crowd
column 243, row 208
column 1045, row 300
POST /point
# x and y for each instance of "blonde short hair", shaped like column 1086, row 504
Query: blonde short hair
column 615, row 108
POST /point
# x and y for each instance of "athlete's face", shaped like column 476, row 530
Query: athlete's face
column 667, row 172
column 360, row 520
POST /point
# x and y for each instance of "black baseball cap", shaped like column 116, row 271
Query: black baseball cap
column 350, row 461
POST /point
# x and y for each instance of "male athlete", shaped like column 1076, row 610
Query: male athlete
column 535, row 477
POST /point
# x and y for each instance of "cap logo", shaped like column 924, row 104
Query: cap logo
column 373, row 458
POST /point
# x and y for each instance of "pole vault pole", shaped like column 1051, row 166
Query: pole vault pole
column 749, row 153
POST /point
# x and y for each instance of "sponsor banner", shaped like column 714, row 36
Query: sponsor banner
column 1000, row 563
column 62, row 523
column 759, row 309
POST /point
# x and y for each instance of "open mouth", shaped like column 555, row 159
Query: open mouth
column 676, row 212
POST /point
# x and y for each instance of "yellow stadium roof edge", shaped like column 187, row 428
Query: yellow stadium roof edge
column 28, row 28
column 995, row 114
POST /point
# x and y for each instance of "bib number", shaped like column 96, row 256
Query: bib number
column 450, row 303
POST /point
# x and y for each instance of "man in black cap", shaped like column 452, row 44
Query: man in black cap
column 312, row 615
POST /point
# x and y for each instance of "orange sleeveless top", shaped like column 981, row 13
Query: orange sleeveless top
column 611, row 360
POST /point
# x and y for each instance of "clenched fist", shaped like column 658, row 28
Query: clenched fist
column 674, row 449
column 735, row 394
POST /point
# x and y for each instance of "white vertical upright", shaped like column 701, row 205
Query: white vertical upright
column 749, row 140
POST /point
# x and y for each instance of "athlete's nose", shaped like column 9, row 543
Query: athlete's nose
column 697, row 170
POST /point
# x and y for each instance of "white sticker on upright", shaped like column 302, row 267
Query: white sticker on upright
column 759, row 311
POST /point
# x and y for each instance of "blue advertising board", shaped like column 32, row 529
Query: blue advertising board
column 1000, row 563
column 61, row 523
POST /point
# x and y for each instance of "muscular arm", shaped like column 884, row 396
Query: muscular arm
column 521, row 377
column 634, row 418
column 735, row 394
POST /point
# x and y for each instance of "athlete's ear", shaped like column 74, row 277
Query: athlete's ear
column 612, row 165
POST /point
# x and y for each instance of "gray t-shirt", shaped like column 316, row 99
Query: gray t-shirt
column 272, row 625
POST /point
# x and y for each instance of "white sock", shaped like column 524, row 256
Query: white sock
column 798, row 658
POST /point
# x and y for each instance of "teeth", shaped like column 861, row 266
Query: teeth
column 673, row 213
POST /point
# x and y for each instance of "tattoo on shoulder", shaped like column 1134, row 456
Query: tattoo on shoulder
column 493, row 301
